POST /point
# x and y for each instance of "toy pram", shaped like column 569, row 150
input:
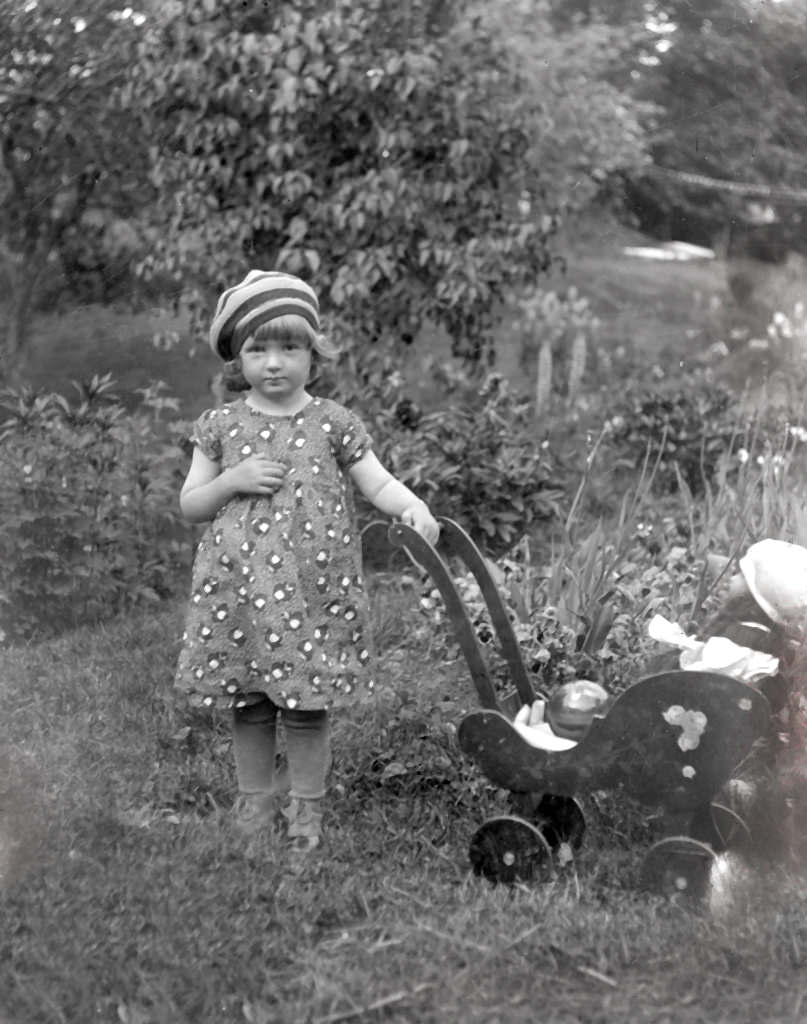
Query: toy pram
column 670, row 741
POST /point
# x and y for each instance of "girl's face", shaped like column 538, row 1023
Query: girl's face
column 276, row 370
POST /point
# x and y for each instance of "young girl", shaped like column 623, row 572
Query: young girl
column 278, row 625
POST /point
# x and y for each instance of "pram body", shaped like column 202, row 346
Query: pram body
column 670, row 741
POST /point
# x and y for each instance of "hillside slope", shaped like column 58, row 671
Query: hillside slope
column 662, row 311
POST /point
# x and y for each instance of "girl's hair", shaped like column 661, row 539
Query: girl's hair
column 282, row 328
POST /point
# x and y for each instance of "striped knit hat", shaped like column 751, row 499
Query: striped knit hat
column 263, row 295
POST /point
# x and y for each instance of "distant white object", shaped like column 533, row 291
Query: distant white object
column 686, row 251
column 669, row 251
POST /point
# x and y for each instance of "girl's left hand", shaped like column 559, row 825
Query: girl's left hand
column 420, row 518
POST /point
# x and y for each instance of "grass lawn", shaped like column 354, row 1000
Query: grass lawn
column 129, row 900
column 126, row 897
column 74, row 345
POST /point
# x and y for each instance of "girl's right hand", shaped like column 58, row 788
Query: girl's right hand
column 257, row 475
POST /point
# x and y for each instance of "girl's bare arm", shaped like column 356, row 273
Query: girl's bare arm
column 207, row 487
column 392, row 497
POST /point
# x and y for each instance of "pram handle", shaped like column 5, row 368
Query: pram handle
column 456, row 542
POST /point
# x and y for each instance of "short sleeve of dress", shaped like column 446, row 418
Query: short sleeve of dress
column 205, row 435
column 351, row 440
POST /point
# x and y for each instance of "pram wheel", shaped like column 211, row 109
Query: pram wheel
column 678, row 866
column 561, row 820
column 510, row 850
column 721, row 828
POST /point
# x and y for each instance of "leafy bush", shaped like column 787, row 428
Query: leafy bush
column 476, row 459
column 387, row 145
column 482, row 467
column 89, row 495
column 759, row 491
column 579, row 617
column 580, row 610
column 688, row 427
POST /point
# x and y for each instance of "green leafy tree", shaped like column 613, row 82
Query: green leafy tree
column 729, row 77
column 734, row 92
column 380, row 150
column 587, row 125
column 63, row 139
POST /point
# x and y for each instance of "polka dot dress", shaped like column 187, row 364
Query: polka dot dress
column 278, row 602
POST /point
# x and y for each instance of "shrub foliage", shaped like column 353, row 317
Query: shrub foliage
column 355, row 144
column 688, row 427
column 89, row 496
column 477, row 458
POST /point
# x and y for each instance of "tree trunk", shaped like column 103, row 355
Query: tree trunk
column 26, row 277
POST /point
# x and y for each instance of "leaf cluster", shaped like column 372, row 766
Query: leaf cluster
column 89, row 506
column 688, row 427
column 588, row 123
column 579, row 609
column 382, row 167
column 728, row 78
column 60, row 83
column 581, row 614
column 475, row 459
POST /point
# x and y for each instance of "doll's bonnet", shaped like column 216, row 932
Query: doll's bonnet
column 775, row 573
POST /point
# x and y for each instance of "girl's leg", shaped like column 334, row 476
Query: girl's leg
column 254, row 749
column 308, row 751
